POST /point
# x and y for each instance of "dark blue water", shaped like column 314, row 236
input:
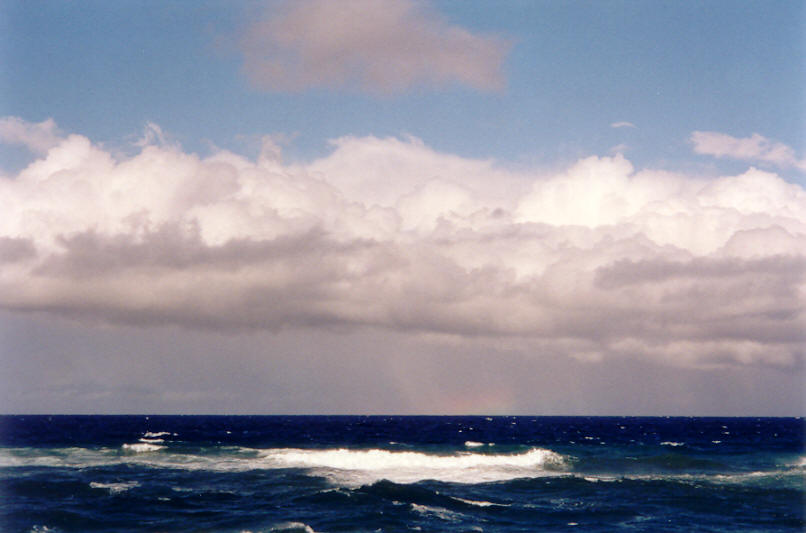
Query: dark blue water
column 253, row 473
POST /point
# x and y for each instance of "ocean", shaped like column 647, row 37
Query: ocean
column 400, row 473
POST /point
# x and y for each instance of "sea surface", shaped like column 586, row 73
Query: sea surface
column 367, row 473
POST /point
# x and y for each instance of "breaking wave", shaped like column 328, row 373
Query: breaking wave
column 342, row 466
column 356, row 467
column 367, row 466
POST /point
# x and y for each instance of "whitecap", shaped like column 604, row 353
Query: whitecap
column 292, row 527
column 152, row 435
column 672, row 443
column 478, row 503
column 473, row 444
column 57, row 457
column 358, row 467
column 114, row 488
column 439, row 512
column 602, row 479
column 142, row 447
column 795, row 464
column 343, row 467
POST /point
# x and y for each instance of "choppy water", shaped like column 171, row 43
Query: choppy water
column 253, row 473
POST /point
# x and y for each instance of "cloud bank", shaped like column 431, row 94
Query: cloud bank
column 381, row 46
column 600, row 260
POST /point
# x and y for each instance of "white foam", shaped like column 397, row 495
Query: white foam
column 342, row 466
column 367, row 466
column 480, row 503
column 292, row 527
column 739, row 478
column 240, row 460
column 439, row 512
column 152, row 441
column 142, row 447
column 8, row 460
column 473, row 444
column 671, row 443
column 57, row 457
column 114, row 488
column 150, row 435
column 614, row 478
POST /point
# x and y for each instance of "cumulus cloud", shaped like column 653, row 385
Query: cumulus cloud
column 382, row 46
column 755, row 148
column 598, row 261
column 37, row 137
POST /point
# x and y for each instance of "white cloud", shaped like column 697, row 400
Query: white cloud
column 152, row 134
column 622, row 124
column 619, row 149
column 382, row 46
column 37, row 137
column 597, row 261
column 755, row 148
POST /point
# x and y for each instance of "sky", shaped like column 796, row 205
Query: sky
column 403, row 207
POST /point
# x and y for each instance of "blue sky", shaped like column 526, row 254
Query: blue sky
column 391, row 206
column 103, row 69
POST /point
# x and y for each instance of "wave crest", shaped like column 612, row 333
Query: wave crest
column 367, row 466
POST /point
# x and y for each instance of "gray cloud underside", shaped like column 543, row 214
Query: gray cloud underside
column 311, row 280
column 594, row 262
column 380, row 46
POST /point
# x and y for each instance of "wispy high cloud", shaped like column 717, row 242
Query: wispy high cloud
column 381, row 46
column 622, row 125
column 755, row 148
column 597, row 261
